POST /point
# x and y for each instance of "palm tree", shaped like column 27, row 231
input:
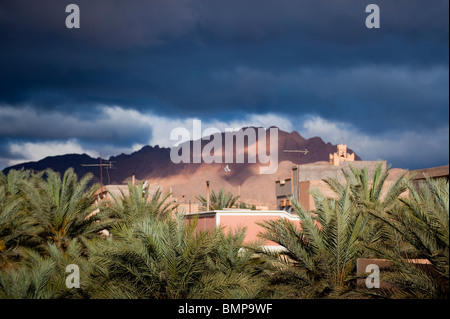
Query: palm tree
column 219, row 201
column 422, row 222
column 15, row 230
column 33, row 280
column 154, row 253
column 165, row 258
column 319, row 256
column 44, row 277
column 9, row 207
column 61, row 208
column 24, row 271
column 138, row 204
column 232, row 257
column 373, row 194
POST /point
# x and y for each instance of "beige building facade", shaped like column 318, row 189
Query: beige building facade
column 308, row 177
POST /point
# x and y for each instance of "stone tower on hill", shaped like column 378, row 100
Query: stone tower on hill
column 341, row 155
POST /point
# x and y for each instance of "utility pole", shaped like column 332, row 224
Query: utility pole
column 208, row 199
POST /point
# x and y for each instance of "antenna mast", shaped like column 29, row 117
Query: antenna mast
column 108, row 165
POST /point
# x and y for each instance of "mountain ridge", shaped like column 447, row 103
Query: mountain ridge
column 149, row 158
column 153, row 163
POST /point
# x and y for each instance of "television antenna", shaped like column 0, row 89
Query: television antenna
column 108, row 165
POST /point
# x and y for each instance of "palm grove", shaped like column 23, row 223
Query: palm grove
column 49, row 221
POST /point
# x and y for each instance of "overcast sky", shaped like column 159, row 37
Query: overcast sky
column 136, row 69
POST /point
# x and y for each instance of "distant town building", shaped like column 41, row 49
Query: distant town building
column 307, row 177
column 232, row 219
column 341, row 155
column 433, row 172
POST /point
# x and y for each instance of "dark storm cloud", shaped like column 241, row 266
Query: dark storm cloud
column 141, row 52
column 105, row 124
column 215, row 58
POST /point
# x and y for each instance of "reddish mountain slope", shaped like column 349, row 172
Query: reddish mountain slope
column 188, row 179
